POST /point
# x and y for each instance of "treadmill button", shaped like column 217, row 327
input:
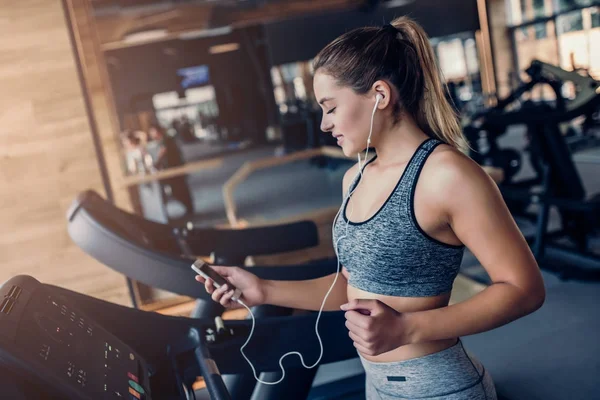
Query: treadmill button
column 136, row 387
column 134, row 394
column 133, row 377
column 71, row 369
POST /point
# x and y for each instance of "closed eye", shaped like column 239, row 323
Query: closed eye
column 332, row 110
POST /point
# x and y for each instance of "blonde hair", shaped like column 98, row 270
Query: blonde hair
column 401, row 54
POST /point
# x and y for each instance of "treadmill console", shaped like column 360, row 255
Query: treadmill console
column 51, row 344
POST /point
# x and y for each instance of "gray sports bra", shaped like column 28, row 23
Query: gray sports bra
column 389, row 253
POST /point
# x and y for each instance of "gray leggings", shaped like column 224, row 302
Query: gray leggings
column 451, row 374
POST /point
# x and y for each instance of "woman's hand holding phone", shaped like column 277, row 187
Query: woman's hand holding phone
column 252, row 288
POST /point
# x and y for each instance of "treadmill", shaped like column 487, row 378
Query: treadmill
column 160, row 256
column 58, row 344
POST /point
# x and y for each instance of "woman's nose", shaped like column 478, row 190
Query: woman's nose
column 326, row 126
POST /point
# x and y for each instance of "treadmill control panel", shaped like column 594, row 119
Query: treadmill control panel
column 75, row 356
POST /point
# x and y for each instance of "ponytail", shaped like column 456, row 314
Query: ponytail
column 434, row 113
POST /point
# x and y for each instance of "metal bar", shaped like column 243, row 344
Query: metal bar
column 542, row 220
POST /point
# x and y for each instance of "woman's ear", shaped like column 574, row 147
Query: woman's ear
column 383, row 89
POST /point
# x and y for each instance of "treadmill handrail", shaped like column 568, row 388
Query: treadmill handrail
column 162, row 270
column 274, row 238
column 210, row 372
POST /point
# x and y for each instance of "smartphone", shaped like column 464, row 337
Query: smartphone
column 205, row 270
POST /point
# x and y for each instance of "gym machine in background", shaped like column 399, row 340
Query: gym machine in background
column 555, row 181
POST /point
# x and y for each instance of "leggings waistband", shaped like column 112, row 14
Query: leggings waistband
column 448, row 371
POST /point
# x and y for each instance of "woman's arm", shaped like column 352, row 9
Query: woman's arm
column 307, row 294
column 477, row 214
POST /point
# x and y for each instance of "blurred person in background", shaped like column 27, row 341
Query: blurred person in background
column 169, row 156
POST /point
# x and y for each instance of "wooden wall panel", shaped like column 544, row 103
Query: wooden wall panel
column 46, row 152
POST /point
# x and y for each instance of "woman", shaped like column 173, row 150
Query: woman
column 413, row 209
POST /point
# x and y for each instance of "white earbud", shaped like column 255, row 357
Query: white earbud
column 378, row 98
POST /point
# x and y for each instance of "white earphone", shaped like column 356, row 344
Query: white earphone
column 378, row 98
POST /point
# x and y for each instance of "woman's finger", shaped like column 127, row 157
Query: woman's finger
column 355, row 328
column 357, row 339
column 226, row 298
column 208, row 285
column 362, row 349
column 216, row 296
column 217, row 293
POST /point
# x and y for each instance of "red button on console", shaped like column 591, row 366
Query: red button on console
column 133, row 377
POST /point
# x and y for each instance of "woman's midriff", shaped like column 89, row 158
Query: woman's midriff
column 405, row 305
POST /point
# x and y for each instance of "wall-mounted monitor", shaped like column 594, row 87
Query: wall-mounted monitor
column 194, row 76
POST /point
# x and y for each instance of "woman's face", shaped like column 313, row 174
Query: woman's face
column 345, row 114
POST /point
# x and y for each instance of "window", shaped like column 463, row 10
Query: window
column 595, row 14
column 572, row 45
column 471, row 55
column 513, row 10
column 524, row 10
column 452, row 59
column 568, row 4
column 539, row 9
column 540, row 30
column 522, row 34
column 570, row 22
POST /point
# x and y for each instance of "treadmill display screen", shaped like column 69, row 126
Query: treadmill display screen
column 82, row 355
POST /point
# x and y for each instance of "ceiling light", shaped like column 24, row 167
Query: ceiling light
column 143, row 36
column 398, row 3
column 202, row 33
column 224, row 48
